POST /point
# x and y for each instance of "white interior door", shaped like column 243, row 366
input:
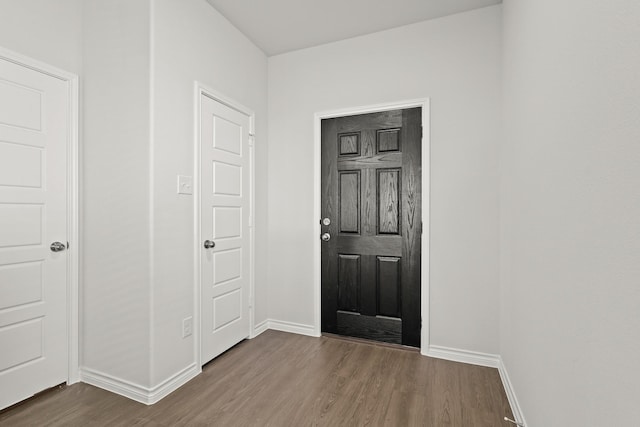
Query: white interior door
column 34, row 129
column 225, row 191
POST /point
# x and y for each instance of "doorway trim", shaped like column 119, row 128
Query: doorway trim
column 203, row 90
column 424, row 103
column 73, row 206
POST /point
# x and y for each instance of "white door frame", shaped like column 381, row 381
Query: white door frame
column 73, row 207
column 426, row 171
column 203, row 90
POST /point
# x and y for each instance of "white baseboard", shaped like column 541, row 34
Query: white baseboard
column 481, row 359
column 136, row 392
column 294, row 328
column 114, row 385
column 464, row 356
column 511, row 394
column 173, row 383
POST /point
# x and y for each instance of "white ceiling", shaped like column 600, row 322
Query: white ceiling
column 278, row 26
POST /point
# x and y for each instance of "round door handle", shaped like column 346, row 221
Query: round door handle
column 208, row 244
column 57, row 247
column 326, row 237
column 326, row 221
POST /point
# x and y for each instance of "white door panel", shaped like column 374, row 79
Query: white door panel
column 34, row 130
column 227, row 222
column 225, row 205
column 20, row 166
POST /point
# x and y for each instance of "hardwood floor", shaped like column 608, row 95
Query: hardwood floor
column 280, row 379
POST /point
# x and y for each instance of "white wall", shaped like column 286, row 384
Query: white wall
column 107, row 45
column 570, row 210
column 192, row 41
column 116, row 283
column 141, row 60
column 456, row 62
column 49, row 31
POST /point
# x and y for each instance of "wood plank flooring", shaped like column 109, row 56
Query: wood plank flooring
column 280, row 379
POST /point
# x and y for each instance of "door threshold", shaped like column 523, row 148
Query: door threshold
column 370, row 342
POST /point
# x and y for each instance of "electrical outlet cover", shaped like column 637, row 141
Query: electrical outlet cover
column 187, row 327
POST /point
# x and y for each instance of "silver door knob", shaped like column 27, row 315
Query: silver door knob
column 208, row 244
column 326, row 237
column 326, row 221
column 57, row 247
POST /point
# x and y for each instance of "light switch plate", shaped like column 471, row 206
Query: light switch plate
column 185, row 184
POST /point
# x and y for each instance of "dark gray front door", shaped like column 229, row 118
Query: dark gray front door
column 371, row 194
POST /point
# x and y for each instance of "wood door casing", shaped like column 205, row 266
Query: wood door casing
column 371, row 192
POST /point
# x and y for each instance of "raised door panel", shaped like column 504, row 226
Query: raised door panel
column 29, row 335
column 349, row 144
column 227, row 309
column 388, row 286
column 20, row 284
column 24, row 110
column 227, row 179
column 388, row 140
column 349, row 202
column 20, row 166
column 21, row 224
column 389, row 191
column 227, row 266
column 227, row 136
column 349, row 282
column 227, row 222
